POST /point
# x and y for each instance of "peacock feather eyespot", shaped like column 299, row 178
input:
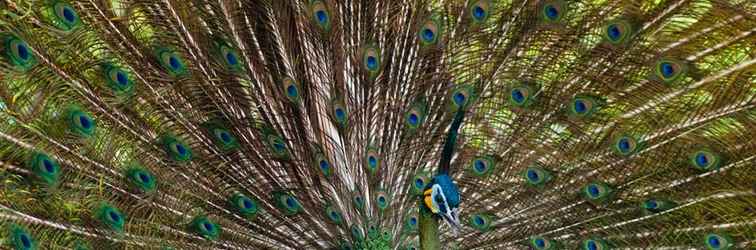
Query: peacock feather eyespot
column 244, row 205
column 415, row 116
column 670, row 70
column 20, row 239
column 594, row 244
column 324, row 165
column 79, row 122
column 657, row 205
column 522, row 95
column 583, row 106
column 357, row 234
column 172, row 62
column 17, row 52
column 705, row 159
column 541, row 243
column 358, row 202
column 718, row 241
column 553, row 11
column 462, row 97
column 618, row 31
column 481, row 222
column 291, row 89
column 339, row 113
column 597, row 192
column 118, row 80
column 372, row 160
column 287, row 203
column 44, row 168
column 110, row 217
column 277, row 146
column 142, row 179
column 345, row 245
column 482, row 166
column 430, row 32
column 419, row 182
column 411, row 223
column 230, row 58
column 176, row 149
column 382, row 200
column 65, row 16
column 480, row 11
column 205, row 228
column 371, row 61
column 320, row 15
column 334, row 215
column 626, row 145
column 536, row 176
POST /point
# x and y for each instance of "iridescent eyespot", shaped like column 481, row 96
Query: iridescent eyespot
column 111, row 217
column 372, row 160
column 419, row 182
column 522, row 95
column 480, row 222
column 320, row 14
column 626, row 145
column 594, row 244
column 18, row 53
column 429, row 32
column 288, row 204
column 415, row 116
column 291, row 89
column 339, row 113
column 583, row 106
column 80, row 122
column 656, row 205
column 230, row 58
column 618, row 31
column 66, row 17
column 358, row 202
column 172, row 62
column 483, row 165
column 141, row 179
column 204, row 227
column 244, row 205
column 479, row 11
column 541, row 243
column 535, row 176
column 669, row 70
column 20, row 239
column 597, row 191
column 118, row 80
column 44, row 168
column 371, row 60
column 357, row 233
column 553, row 11
column 705, row 159
column 462, row 97
column 381, row 200
column 716, row 241
column 176, row 149
column 334, row 215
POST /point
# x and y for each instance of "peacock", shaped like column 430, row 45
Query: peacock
column 377, row 124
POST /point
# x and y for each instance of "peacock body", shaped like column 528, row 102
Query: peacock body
column 364, row 124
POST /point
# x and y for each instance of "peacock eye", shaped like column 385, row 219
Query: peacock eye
column 553, row 11
column 320, row 15
column 429, row 32
column 479, row 11
column 617, row 31
column 67, row 18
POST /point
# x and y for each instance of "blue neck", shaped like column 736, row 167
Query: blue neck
column 451, row 141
